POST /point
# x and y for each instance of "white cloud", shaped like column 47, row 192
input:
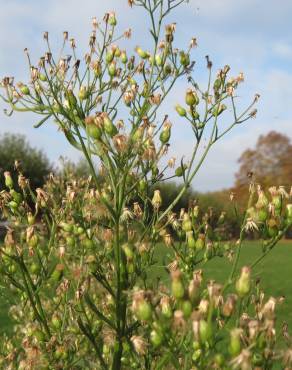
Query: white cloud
column 283, row 49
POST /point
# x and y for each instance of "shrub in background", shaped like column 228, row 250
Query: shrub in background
column 15, row 150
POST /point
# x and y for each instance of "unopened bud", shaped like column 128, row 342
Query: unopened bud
column 243, row 284
column 165, row 134
column 229, row 305
column 112, row 19
column 187, row 223
column 180, row 110
column 177, row 287
column 83, row 93
column 235, row 343
column 8, row 180
column 156, row 200
column 166, row 309
column 142, row 54
column 184, row 59
column 219, row 109
column 191, row 98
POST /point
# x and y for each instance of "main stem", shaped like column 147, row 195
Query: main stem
column 121, row 302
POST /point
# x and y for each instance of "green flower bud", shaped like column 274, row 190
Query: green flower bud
column 109, row 57
column 144, row 311
column 221, row 218
column 56, row 108
column 128, row 251
column 70, row 241
column 39, row 335
column 235, row 344
column 56, row 322
column 35, row 268
column 262, row 200
column 196, row 211
column 158, row 60
column 262, row 215
column 190, row 240
column 184, row 59
column 13, row 205
column 196, row 116
column 43, row 77
column 177, row 287
column 25, row 90
column 156, row 200
column 289, row 212
column 200, row 243
column 112, row 19
column 83, row 93
column 94, row 131
column 112, row 69
column 180, row 170
column 142, row 185
column 166, row 309
column 217, row 84
column 191, row 98
column 123, row 57
column 187, row 308
column 97, row 69
column 57, row 273
column 272, row 228
column 155, row 171
column 16, row 196
column 87, row 243
column 30, row 218
column 219, row 360
column 196, row 345
column 12, row 268
column 109, row 127
column 33, row 241
column 167, row 70
column 118, row 52
column 8, row 180
column 130, row 267
column 180, row 110
column 165, row 135
column 61, row 353
column 138, row 134
column 66, row 227
column 205, row 331
column 196, row 355
column 71, row 99
column 243, row 284
column 187, row 223
column 277, row 201
column 78, row 230
column 218, row 110
column 156, row 338
column 142, row 54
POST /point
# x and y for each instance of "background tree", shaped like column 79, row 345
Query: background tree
column 34, row 163
column 78, row 169
column 270, row 161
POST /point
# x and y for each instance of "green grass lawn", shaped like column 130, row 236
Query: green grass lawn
column 275, row 272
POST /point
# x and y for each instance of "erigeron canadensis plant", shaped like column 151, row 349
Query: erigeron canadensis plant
column 78, row 262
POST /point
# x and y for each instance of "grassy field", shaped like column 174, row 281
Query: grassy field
column 275, row 272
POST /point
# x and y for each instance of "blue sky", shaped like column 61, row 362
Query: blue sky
column 252, row 36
